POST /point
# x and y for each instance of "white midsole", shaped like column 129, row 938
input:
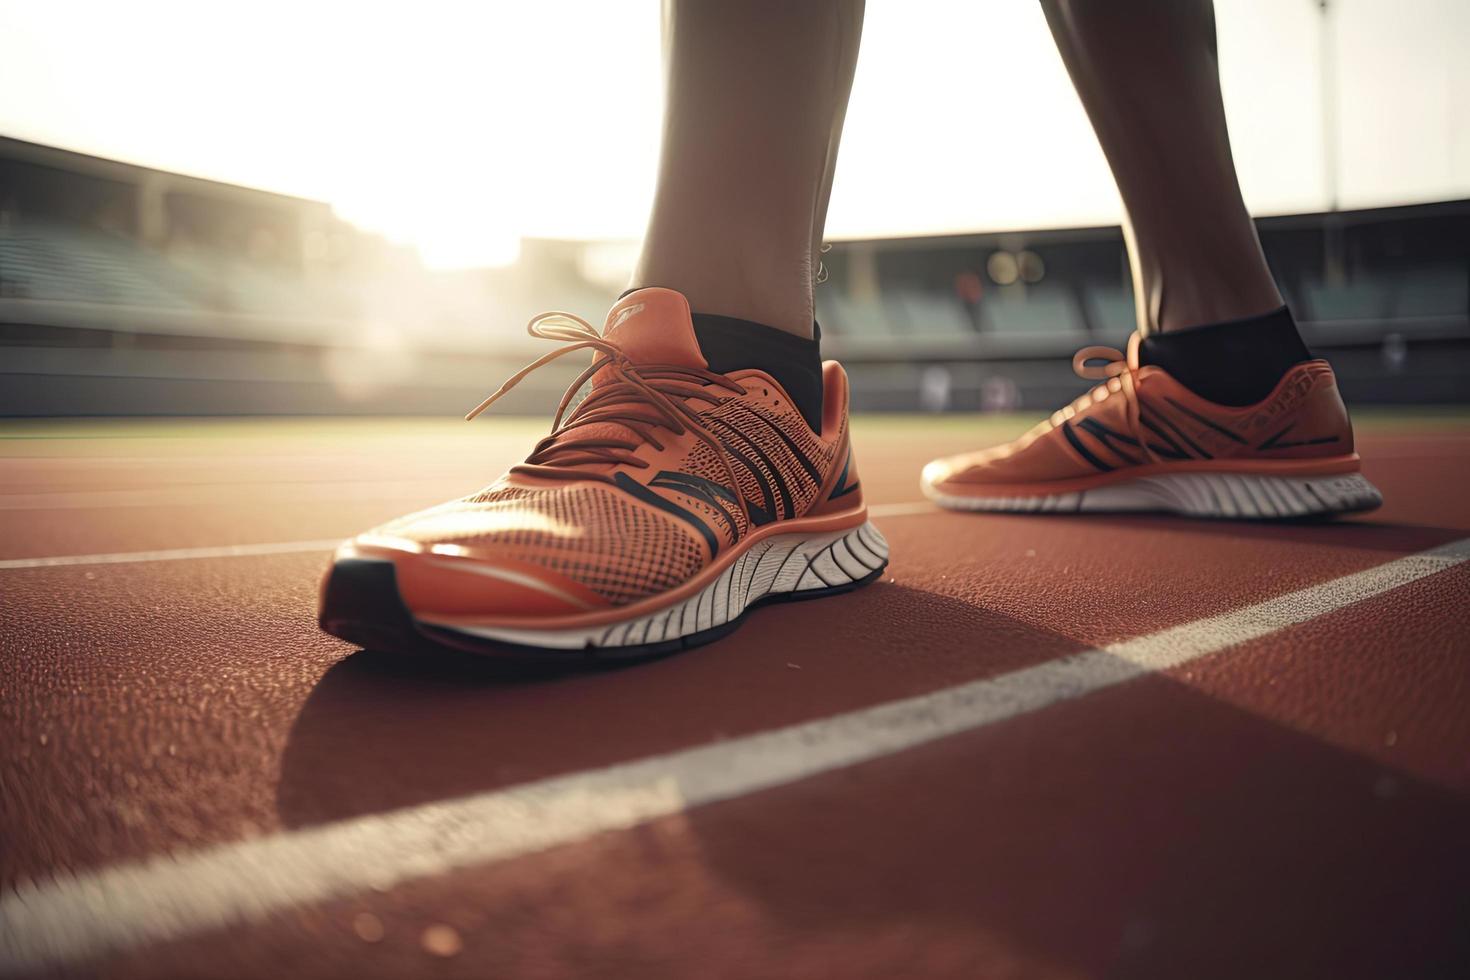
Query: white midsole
column 1239, row 495
column 782, row 563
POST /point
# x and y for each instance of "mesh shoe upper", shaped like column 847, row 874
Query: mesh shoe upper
column 1141, row 416
column 628, row 523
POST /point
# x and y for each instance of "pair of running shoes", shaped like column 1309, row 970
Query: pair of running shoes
column 672, row 499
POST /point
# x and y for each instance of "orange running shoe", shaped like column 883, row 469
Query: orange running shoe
column 669, row 502
column 1141, row 441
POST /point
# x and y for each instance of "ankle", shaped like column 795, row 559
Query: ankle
column 759, row 292
column 788, row 316
column 1197, row 311
column 1181, row 304
column 1190, row 289
column 791, row 317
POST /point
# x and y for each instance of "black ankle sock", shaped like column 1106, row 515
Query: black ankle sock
column 1236, row 362
column 730, row 344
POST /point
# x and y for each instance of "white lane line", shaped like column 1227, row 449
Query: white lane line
column 175, row 554
column 71, row 918
column 290, row 547
column 212, row 494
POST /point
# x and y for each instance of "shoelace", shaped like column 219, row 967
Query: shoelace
column 1118, row 377
column 639, row 397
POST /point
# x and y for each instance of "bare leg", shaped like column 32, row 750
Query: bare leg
column 1148, row 75
column 757, row 91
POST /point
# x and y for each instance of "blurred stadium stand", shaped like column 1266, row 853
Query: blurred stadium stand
column 126, row 290
column 1383, row 293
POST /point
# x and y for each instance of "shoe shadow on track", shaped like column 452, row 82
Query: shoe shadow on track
column 1210, row 825
column 1149, row 830
column 382, row 731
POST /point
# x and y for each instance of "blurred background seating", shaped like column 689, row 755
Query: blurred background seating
column 127, row 290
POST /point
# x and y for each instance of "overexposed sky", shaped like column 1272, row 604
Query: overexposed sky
column 459, row 127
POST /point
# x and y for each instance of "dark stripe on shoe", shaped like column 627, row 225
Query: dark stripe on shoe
column 711, row 494
column 1201, row 419
column 1082, row 450
column 1105, row 435
column 776, row 482
column 1275, row 441
column 762, row 482
column 1173, row 451
column 636, row 489
column 1186, row 440
column 840, row 488
column 796, row 452
column 716, row 495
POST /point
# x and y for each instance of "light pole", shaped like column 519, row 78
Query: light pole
column 1328, row 63
column 1333, row 260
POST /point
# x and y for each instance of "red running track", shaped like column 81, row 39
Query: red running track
column 1294, row 805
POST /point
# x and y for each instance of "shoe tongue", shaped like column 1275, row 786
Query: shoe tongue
column 653, row 326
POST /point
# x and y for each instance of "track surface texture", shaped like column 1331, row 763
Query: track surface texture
column 1038, row 746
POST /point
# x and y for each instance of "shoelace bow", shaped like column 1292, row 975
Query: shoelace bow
column 1118, row 377
column 640, row 397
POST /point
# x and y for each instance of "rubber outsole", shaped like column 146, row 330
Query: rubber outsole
column 361, row 604
column 1229, row 496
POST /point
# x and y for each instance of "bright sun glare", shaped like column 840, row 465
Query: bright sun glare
column 459, row 128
